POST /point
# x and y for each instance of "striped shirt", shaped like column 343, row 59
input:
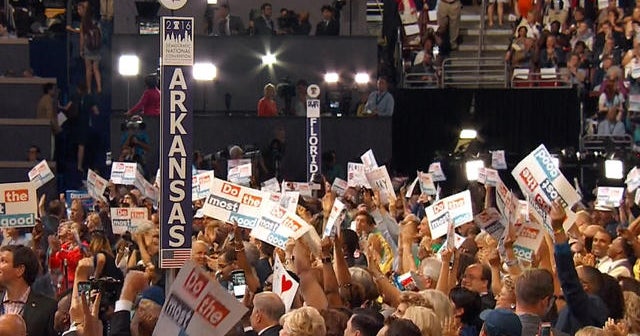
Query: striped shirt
column 15, row 306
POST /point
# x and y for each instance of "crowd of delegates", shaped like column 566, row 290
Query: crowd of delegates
column 593, row 49
column 263, row 23
column 582, row 282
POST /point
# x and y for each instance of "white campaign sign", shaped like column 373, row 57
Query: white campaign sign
column 436, row 170
column 528, row 242
column 457, row 207
column 287, row 199
column 283, row 284
column 336, row 216
column 339, row 186
column 411, row 187
column 146, row 188
column 492, row 177
column 426, row 183
column 609, row 196
column 542, row 181
column 124, row 173
column 198, row 306
column 304, row 188
column 379, row 180
column 633, row 179
column 491, row 221
column 40, row 174
column 202, row 185
column 356, row 176
column 240, row 174
column 369, row 160
column 271, row 185
column 230, row 203
column 18, row 205
column 96, row 186
column 498, row 160
column 128, row 219
column 277, row 225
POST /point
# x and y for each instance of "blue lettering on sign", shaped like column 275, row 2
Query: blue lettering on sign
column 18, row 220
column 462, row 218
column 178, row 311
column 276, row 240
column 523, row 252
column 243, row 221
column 552, row 193
column 546, row 164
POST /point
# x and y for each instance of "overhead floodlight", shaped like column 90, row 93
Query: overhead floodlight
column 472, row 169
column 212, row 2
column 331, row 77
column 128, row 65
column 269, row 59
column 613, row 169
column 362, row 78
column 468, row 133
column 204, row 71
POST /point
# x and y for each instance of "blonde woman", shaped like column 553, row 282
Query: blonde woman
column 305, row 321
column 442, row 306
column 425, row 319
column 267, row 105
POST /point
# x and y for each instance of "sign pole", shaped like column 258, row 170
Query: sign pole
column 176, row 141
column 314, row 154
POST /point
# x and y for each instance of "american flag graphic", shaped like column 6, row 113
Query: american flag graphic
column 174, row 258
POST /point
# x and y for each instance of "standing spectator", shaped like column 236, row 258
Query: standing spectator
column 229, row 25
column 328, row 26
column 90, row 44
column 48, row 106
column 304, row 26
column 534, row 292
column 18, row 271
column 380, row 102
column 490, row 8
column 263, row 24
column 300, row 104
column 267, row 104
column 449, row 12
column 610, row 103
column 268, row 308
column 149, row 103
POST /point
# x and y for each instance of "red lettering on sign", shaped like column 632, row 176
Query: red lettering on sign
column 14, row 196
column 195, row 283
column 230, row 189
column 212, row 310
column 528, row 179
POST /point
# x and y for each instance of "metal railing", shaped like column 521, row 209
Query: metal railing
column 423, row 80
column 539, row 80
column 474, row 72
column 605, row 143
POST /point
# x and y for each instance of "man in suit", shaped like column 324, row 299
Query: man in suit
column 265, row 317
column 263, row 24
column 229, row 25
column 328, row 26
column 18, row 270
column 134, row 283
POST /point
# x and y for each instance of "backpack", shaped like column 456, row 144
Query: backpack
column 93, row 38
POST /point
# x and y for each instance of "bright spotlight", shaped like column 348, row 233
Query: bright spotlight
column 128, row 65
column 204, row 71
column 212, row 2
column 362, row 78
column 472, row 169
column 468, row 133
column 331, row 77
column 269, row 59
column 613, row 169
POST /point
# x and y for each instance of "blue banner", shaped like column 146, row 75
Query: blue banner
column 176, row 141
column 314, row 153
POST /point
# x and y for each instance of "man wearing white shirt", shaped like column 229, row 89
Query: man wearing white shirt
column 600, row 248
column 619, row 252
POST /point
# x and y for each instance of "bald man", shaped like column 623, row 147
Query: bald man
column 12, row 325
column 265, row 317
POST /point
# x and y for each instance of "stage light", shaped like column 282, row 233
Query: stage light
column 468, row 133
column 269, row 59
column 128, row 65
column 204, row 71
column 212, row 2
column 331, row 77
column 472, row 169
column 362, row 78
column 613, row 169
